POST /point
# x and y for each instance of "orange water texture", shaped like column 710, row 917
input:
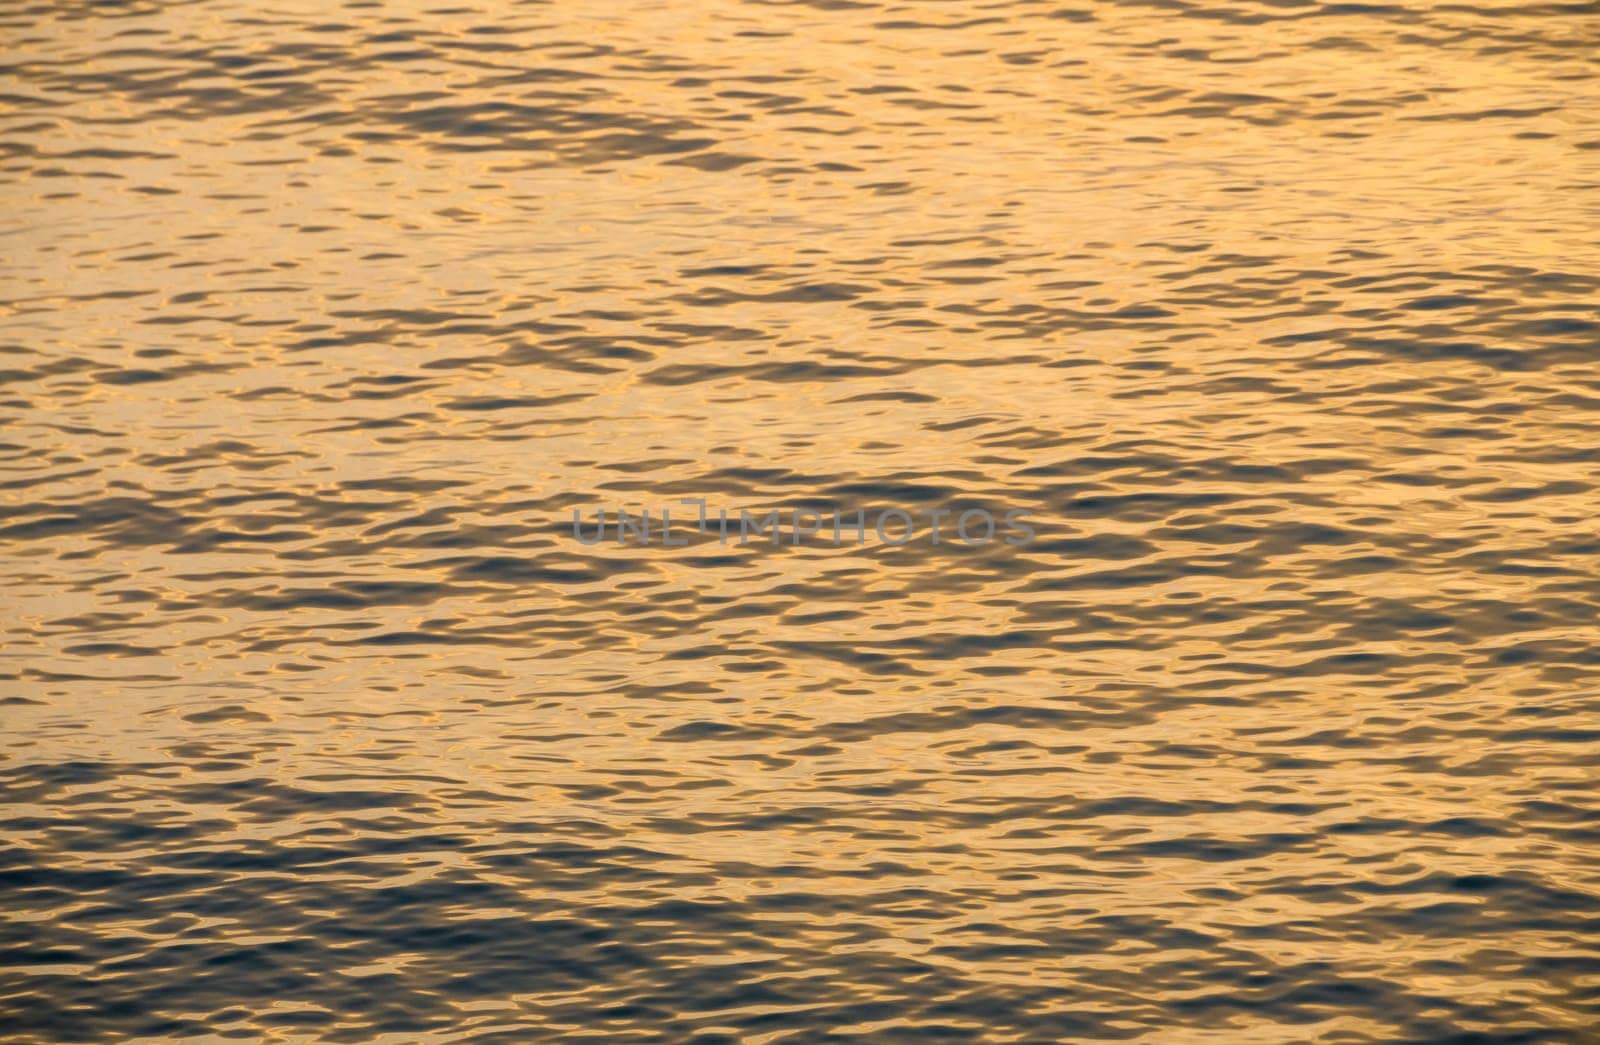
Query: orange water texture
column 1278, row 318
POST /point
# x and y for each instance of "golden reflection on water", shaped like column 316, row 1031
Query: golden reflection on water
column 1278, row 319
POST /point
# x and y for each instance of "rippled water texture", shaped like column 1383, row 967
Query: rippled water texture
column 1280, row 320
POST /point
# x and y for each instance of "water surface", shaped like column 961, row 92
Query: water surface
column 1280, row 319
